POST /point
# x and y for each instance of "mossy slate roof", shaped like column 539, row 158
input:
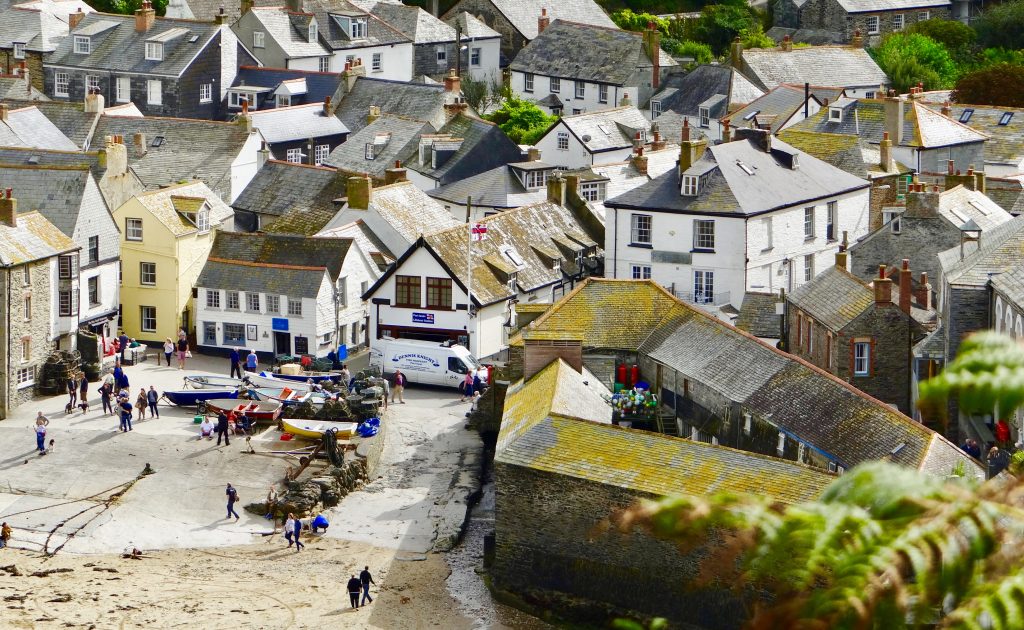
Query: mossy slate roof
column 757, row 315
column 827, row 414
column 548, row 425
column 34, row 238
column 834, row 297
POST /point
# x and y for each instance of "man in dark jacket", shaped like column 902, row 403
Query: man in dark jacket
column 222, row 429
column 122, row 342
column 366, row 580
column 353, row 591
column 236, row 363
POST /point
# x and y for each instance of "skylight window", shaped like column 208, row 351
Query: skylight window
column 514, row 257
column 604, row 130
column 1005, row 119
column 751, row 115
column 746, row 169
column 158, row 141
column 979, row 207
column 965, row 116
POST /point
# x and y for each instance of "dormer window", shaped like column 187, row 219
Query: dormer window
column 536, row 179
column 203, row 219
column 690, row 187
column 154, row 51
column 705, row 117
column 312, row 31
column 835, row 114
column 357, row 28
column 83, row 45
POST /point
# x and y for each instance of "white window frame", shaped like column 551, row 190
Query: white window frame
column 747, row 421
column 593, row 191
column 602, row 93
column 294, row 307
column 690, row 185
column 154, row 51
column 92, row 84
column 205, row 92
column 835, row 114
column 147, row 274
column 83, row 45
column 377, row 62
column 19, row 50
column 705, row 117
column 143, row 318
column 259, row 39
column 640, row 229
column 536, row 179
column 528, row 82
column 655, row 109
column 780, row 446
column 154, row 92
column 213, row 298
column 357, row 28
column 580, row 89
column 274, row 304
column 235, row 99
column 231, row 301
column 203, row 219
column 252, row 302
column 123, row 89
column 25, row 377
column 809, row 222
column 475, row 55
column 325, row 64
column 312, row 32
column 563, row 140
column 704, row 234
column 924, row 16
column 897, row 22
column 61, row 83
column 703, row 286
column 640, row 272
column 555, row 85
column 442, row 56
column 861, row 358
column 872, row 24
column 320, row 153
column 294, row 156
column 283, row 100
column 808, row 267
column 133, row 229
column 832, row 221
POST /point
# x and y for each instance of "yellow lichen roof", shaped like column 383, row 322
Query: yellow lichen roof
column 33, row 238
column 168, row 204
column 543, row 429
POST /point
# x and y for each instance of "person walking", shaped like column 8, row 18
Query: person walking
column 353, row 591
column 182, row 350
column 5, row 535
column 152, row 397
column 83, row 389
column 251, row 361
column 271, row 503
column 41, row 423
column 222, row 429
column 236, row 363
column 72, row 389
column 998, row 460
column 141, row 402
column 467, row 387
column 105, row 390
column 398, row 387
column 366, row 580
column 123, row 342
column 126, row 413
column 289, row 528
column 296, row 533
column 232, row 495
column 168, row 351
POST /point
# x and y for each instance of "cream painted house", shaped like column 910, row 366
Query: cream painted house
column 166, row 236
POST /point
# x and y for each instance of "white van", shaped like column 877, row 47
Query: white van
column 427, row 362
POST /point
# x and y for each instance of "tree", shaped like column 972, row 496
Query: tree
column 483, row 95
column 957, row 37
column 127, row 7
column 1001, row 84
column 910, row 58
column 521, row 120
column 754, row 37
column 1002, row 26
column 718, row 24
column 629, row 21
column 701, row 53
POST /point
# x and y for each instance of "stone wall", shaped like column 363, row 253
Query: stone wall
column 424, row 59
column 829, row 15
column 581, row 572
column 894, row 334
column 33, row 62
column 35, row 330
column 512, row 41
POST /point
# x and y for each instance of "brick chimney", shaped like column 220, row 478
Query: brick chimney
column 349, row 76
column 885, row 161
column 842, row 256
column 924, row 292
column 657, row 144
column 625, row 101
column 8, row 209
column 690, row 150
column 395, row 174
column 139, row 140
column 556, row 189
column 906, row 286
column 736, row 54
column 893, row 108
column 726, row 133
column 787, row 44
column 94, row 103
column 883, row 287
column 246, row 6
column 452, row 82
column 857, row 41
column 328, row 107
column 652, row 46
column 973, row 180
column 221, row 17
column 372, row 115
column 245, row 118
column 360, row 192
column 114, row 157
column 5, row 111
column 74, row 19
column 533, row 154
column 922, row 203
column 145, row 17
column 640, row 160
column 946, row 109
column 543, row 21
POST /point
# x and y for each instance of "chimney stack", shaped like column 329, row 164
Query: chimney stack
column 883, row 287
column 328, row 108
column 657, row 144
column 885, row 153
column 924, row 292
column 556, row 189
column 74, row 19
column 533, row 154
column 221, row 17
column 5, row 111
column 842, row 257
column 395, row 174
column 94, row 103
column 360, row 192
column 452, row 82
column 8, row 209
column 690, row 150
column 906, row 288
column 372, row 115
column 893, row 108
column 726, row 134
column 652, row 45
column 857, row 41
column 640, row 161
column 145, row 17
column 543, row 21
column 139, row 140
column 736, row 54
column 247, row 6
column 115, row 156
column 787, row 44
column 295, row 6
column 245, row 118
column 624, row 101
column 946, row 109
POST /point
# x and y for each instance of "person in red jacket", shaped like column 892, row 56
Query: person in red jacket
column 1002, row 433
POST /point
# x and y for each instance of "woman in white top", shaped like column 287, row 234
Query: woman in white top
column 289, row 528
column 168, row 351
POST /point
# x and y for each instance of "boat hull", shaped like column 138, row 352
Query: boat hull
column 211, row 381
column 315, row 429
column 256, row 410
column 184, row 398
column 318, row 377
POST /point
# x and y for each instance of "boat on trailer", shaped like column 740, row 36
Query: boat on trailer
column 256, row 410
column 315, row 429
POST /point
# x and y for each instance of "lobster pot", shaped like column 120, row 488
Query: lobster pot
column 56, row 371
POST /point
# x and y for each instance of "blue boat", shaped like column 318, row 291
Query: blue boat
column 187, row 397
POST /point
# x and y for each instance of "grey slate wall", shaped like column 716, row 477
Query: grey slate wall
column 512, row 41
column 424, row 59
column 829, row 15
column 204, row 69
column 964, row 156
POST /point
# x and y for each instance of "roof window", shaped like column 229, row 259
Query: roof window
column 1005, row 118
column 746, row 169
column 965, row 116
column 157, row 141
column 751, row 115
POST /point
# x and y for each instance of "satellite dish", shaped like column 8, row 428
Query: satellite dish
column 586, row 138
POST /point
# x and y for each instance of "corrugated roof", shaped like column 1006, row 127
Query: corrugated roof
column 841, row 66
column 161, row 204
column 834, row 297
column 34, row 238
column 299, row 122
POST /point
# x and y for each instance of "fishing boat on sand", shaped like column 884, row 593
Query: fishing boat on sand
column 187, row 397
column 211, row 381
column 265, row 410
column 315, row 429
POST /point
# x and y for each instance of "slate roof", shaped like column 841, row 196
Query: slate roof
column 483, row 146
column 596, row 54
column 378, row 32
column 730, row 190
column 163, row 205
column 416, row 24
column 319, row 85
column 191, row 149
column 757, row 315
column 1011, row 285
column 393, row 136
column 70, row 118
column 852, row 154
column 40, row 31
column 775, row 109
column 523, row 14
column 415, row 101
column 367, row 241
column 999, row 250
column 624, row 176
column 298, row 122
column 608, row 129
column 684, row 93
column 803, row 401
column 206, row 10
column 842, row 66
column 1005, row 143
column 874, row 6
column 17, row 88
column 472, row 28
column 812, row 36
column 1007, row 192
column 548, row 425
column 309, row 196
column 533, row 233
column 498, row 187
column 28, row 127
column 118, row 47
column 34, row 238
column 58, row 192
column 834, row 297
column 922, row 127
column 284, row 27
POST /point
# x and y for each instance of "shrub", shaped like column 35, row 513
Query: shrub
column 1000, row 84
column 910, row 58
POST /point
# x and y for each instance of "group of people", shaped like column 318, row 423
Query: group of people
column 179, row 347
column 238, row 367
column 223, row 427
column 997, row 458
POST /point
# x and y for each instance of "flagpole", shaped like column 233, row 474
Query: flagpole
column 469, row 270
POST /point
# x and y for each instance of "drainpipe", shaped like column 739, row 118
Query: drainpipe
column 615, row 245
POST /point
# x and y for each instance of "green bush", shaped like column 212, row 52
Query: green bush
column 629, row 21
column 754, row 37
column 719, row 24
column 521, row 120
column 1002, row 26
column 910, row 58
column 1001, row 84
column 701, row 53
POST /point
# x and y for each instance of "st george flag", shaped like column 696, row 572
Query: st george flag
column 479, row 232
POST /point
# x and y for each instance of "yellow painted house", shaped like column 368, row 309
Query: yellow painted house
column 166, row 236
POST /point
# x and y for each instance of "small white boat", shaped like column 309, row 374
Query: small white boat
column 268, row 380
column 211, row 381
column 315, row 429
